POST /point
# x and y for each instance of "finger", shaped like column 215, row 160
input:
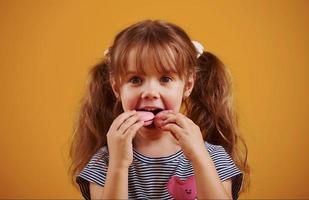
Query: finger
column 132, row 130
column 188, row 120
column 159, row 122
column 163, row 113
column 128, row 122
column 176, row 131
column 177, row 118
column 121, row 118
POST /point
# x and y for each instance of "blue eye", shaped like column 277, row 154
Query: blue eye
column 166, row 79
column 135, row 80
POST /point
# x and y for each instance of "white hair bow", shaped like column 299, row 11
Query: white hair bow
column 198, row 47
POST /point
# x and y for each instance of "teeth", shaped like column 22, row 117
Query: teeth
column 150, row 109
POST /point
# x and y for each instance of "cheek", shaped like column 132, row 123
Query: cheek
column 128, row 99
column 173, row 101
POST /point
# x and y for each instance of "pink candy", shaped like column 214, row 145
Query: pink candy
column 149, row 117
column 145, row 116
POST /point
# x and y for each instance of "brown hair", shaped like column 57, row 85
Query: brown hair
column 159, row 44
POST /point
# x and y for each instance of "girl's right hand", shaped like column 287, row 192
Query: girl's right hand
column 119, row 139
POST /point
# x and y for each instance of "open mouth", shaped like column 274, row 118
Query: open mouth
column 154, row 111
column 150, row 123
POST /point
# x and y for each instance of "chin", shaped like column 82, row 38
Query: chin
column 151, row 127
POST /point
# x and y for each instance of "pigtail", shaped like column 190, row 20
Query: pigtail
column 210, row 94
column 211, row 108
column 95, row 117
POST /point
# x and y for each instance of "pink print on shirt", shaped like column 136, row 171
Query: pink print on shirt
column 179, row 189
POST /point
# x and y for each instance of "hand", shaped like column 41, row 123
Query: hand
column 119, row 139
column 185, row 131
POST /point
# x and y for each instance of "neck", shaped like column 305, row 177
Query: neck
column 155, row 143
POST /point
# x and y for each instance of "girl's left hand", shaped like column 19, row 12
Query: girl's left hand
column 185, row 131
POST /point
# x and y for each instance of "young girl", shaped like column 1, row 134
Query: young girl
column 158, row 121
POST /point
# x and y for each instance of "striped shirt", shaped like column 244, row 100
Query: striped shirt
column 148, row 177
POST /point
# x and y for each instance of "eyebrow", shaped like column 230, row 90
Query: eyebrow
column 136, row 72
column 132, row 72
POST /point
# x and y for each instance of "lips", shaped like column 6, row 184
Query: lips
column 154, row 110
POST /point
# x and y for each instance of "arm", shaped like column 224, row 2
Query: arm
column 96, row 191
column 208, row 183
column 116, row 186
column 188, row 134
column 119, row 139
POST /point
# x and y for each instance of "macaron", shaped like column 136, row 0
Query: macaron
column 145, row 116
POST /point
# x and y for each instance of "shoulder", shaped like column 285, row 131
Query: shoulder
column 96, row 169
column 223, row 162
column 100, row 157
column 217, row 152
column 212, row 147
column 94, row 172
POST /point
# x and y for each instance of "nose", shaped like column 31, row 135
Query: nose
column 150, row 91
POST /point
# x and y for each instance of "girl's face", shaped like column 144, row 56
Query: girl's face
column 152, row 90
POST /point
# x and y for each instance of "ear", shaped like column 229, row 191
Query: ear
column 189, row 86
column 114, row 87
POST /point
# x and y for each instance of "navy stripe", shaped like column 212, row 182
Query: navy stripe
column 148, row 177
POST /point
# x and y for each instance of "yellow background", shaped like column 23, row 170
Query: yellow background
column 48, row 46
